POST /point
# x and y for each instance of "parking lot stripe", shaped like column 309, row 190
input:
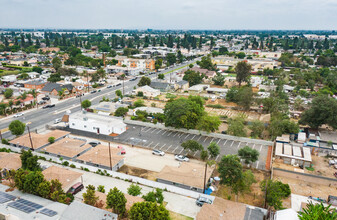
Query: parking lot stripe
column 169, row 147
column 205, row 139
column 146, row 130
column 212, row 139
column 218, row 141
column 193, row 136
column 153, row 130
column 209, row 157
column 225, row 143
column 164, row 132
column 181, row 151
column 174, row 149
column 195, row 153
column 180, row 135
column 162, row 146
column 187, row 136
column 217, row 157
column 253, row 146
column 159, row 131
column 239, row 145
column 149, row 144
column 257, row 164
column 175, row 134
column 261, row 148
column 169, row 133
column 199, row 137
column 156, row 145
column 231, row 144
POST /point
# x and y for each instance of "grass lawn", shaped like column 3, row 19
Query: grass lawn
column 177, row 216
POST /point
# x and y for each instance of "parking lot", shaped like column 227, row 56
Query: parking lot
column 170, row 142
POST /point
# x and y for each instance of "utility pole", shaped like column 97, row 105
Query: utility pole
column 81, row 101
column 0, row 135
column 30, row 138
column 205, row 178
column 110, row 157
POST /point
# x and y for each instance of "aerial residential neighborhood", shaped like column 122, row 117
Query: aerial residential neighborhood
column 186, row 112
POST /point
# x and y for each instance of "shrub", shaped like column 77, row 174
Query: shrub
column 215, row 106
column 72, row 166
column 101, row 189
column 65, row 163
column 86, row 169
column 51, row 140
column 134, row 190
column 5, row 141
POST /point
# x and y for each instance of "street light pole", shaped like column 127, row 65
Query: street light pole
column 205, row 178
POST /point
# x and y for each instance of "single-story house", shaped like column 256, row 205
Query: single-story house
column 222, row 209
column 206, row 72
column 149, row 110
column 9, row 79
column 54, row 88
column 161, row 86
column 38, row 85
column 95, row 123
column 67, row 148
column 181, row 85
column 147, row 91
column 198, row 88
column 108, row 107
column 99, row 156
column 214, row 90
column 66, row 177
column 38, row 140
column 9, row 161
column 188, row 176
column 33, row 75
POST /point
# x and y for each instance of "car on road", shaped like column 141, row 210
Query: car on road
column 122, row 149
column 158, row 152
column 46, row 98
column 202, row 200
column 48, row 106
column 58, row 120
column 109, row 86
column 118, row 84
column 42, row 102
column 99, row 90
column 94, row 143
column 93, row 91
column 133, row 79
column 75, row 188
column 18, row 115
column 181, row 158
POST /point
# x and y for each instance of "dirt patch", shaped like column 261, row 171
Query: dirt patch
column 177, row 216
column 255, row 197
column 134, row 171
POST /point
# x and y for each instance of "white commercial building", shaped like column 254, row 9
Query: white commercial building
column 95, row 123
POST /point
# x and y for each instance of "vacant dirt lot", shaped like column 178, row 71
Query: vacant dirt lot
column 134, row 171
column 254, row 197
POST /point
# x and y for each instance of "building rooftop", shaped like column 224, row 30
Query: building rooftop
column 188, row 174
column 94, row 118
column 10, row 161
column 68, row 147
column 65, row 176
column 38, row 140
column 100, row 155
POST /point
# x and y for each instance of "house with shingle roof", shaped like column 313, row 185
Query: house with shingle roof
column 53, row 88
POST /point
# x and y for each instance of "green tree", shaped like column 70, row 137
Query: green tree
column 20, row 177
column 32, row 181
column 171, row 59
column 86, row 104
column 193, row 77
column 323, row 110
column 161, row 76
column 317, row 212
column 244, row 184
column 134, row 190
column 192, row 145
column 117, row 201
column 29, row 161
column 213, row 149
column 230, row 170
column 245, row 97
column 51, row 140
column 156, row 196
column 101, row 189
column 236, row 127
column 44, row 189
column 206, row 63
column 257, row 128
column 148, row 210
column 219, row 79
column 144, row 81
column 121, row 111
column 17, row 127
column 275, row 192
column 242, row 70
column 8, row 93
column 249, row 155
column 119, row 93
column 204, row 155
column 139, row 103
column 89, row 196
column 57, row 63
column 37, row 69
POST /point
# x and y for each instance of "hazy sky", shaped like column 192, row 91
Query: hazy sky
column 171, row 14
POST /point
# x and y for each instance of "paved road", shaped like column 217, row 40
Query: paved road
column 170, row 142
column 38, row 118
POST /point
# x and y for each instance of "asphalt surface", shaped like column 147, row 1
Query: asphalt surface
column 170, row 142
column 38, row 118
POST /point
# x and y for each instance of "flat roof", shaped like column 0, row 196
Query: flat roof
column 38, row 140
column 188, row 174
column 68, row 147
column 297, row 151
column 96, row 118
column 100, row 155
column 287, row 149
column 278, row 148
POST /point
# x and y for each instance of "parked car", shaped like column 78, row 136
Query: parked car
column 93, row 91
column 122, row 149
column 49, row 106
column 202, row 200
column 94, row 143
column 58, row 120
column 181, row 158
column 223, row 132
column 158, row 152
column 335, row 174
column 99, row 90
column 46, row 98
column 119, row 84
column 109, row 86
column 18, row 115
column 42, row 102
column 75, row 188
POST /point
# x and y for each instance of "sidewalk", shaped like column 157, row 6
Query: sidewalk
column 176, row 203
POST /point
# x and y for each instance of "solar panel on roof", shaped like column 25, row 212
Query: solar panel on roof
column 6, row 195
column 48, row 212
column 25, row 205
column 29, row 203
